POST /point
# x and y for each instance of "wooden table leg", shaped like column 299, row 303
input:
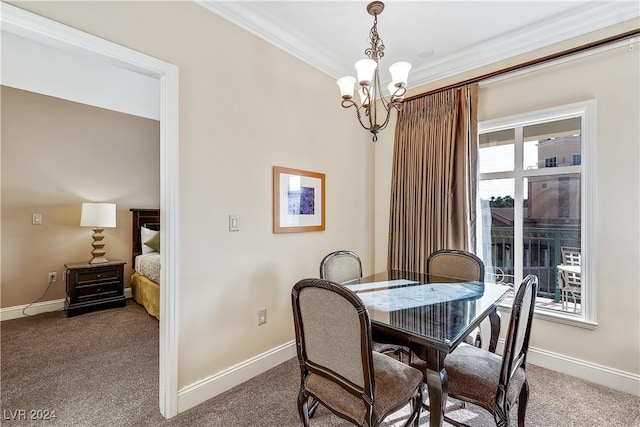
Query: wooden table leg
column 495, row 330
column 437, row 386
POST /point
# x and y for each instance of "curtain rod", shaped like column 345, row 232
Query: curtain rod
column 531, row 63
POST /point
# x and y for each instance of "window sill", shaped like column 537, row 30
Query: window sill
column 565, row 318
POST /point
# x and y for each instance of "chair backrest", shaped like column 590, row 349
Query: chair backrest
column 341, row 267
column 457, row 264
column 571, row 279
column 517, row 338
column 571, row 256
column 339, row 351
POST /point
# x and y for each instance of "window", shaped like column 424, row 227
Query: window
column 536, row 202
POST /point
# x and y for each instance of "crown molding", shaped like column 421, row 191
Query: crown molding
column 253, row 18
column 573, row 23
column 578, row 21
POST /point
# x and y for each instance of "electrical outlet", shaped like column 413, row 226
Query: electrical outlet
column 52, row 277
column 262, row 316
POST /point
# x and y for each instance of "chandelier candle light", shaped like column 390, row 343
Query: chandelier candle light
column 369, row 81
column 98, row 216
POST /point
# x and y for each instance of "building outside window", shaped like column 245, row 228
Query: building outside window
column 531, row 186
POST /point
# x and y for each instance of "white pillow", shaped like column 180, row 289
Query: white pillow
column 145, row 235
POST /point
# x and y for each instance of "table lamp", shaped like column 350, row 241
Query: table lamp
column 98, row 216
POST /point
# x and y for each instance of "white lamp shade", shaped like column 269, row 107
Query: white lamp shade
column 98, row 215
column 365, row 68
column 400, row 73
column 346, row 85
column 393, row 89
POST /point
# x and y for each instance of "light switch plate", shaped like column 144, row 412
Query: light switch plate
column 36, row 219
column 234, row 223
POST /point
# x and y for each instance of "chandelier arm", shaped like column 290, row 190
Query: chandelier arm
column 366, row 111
column 386, row 121
column 348, row 103
column 393, row 104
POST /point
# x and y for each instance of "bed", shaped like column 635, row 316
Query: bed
column 145, row 259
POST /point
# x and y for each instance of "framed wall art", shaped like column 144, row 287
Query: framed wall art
column 298, row 200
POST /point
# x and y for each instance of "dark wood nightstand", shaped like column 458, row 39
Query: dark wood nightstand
column 94, row 286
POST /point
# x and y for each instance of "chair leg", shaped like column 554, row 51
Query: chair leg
column 416, row 407
column 313, row 407
column 501, row 417
column 575, row 300
column 522, row 403
column 303, row 408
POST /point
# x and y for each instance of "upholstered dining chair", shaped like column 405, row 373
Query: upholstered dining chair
column 497, row 383
column 456, row 264
column 341, row 266
column 338, row 367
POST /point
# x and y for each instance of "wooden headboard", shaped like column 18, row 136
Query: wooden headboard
column 149, row 218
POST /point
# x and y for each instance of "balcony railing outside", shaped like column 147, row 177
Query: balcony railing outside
column 541, row 254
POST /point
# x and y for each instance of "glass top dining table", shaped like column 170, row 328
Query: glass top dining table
column 431, row 315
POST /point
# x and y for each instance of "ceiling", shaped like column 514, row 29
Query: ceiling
column 439, row 38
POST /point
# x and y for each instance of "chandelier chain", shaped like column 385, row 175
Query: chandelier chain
column 376, row 51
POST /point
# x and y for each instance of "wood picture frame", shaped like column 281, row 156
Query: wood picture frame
column 298, row 200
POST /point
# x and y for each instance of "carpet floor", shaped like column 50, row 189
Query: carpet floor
column 101, row 369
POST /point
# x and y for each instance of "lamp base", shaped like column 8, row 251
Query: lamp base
column 98, row 251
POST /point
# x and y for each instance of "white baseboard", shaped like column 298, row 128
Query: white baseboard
column 36, row 308
column 201, row 391
column 588, row 371
column 207, row 388
column 15, row 312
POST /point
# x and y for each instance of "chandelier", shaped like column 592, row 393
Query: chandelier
column 369, row 81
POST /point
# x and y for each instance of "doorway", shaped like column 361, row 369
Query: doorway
column 41, row 30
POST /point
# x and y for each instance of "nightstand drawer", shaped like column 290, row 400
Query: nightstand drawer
column 97, row 275
column 96, row 290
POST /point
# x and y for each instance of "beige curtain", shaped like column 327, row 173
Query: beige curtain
column 433, row 188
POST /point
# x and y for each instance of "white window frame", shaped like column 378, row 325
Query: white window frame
column 587, row 111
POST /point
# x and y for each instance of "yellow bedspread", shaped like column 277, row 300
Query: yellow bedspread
column 146, row 293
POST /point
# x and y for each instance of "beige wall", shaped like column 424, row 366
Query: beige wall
column 613, row 79
column 245, row 106
column 57, row 154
